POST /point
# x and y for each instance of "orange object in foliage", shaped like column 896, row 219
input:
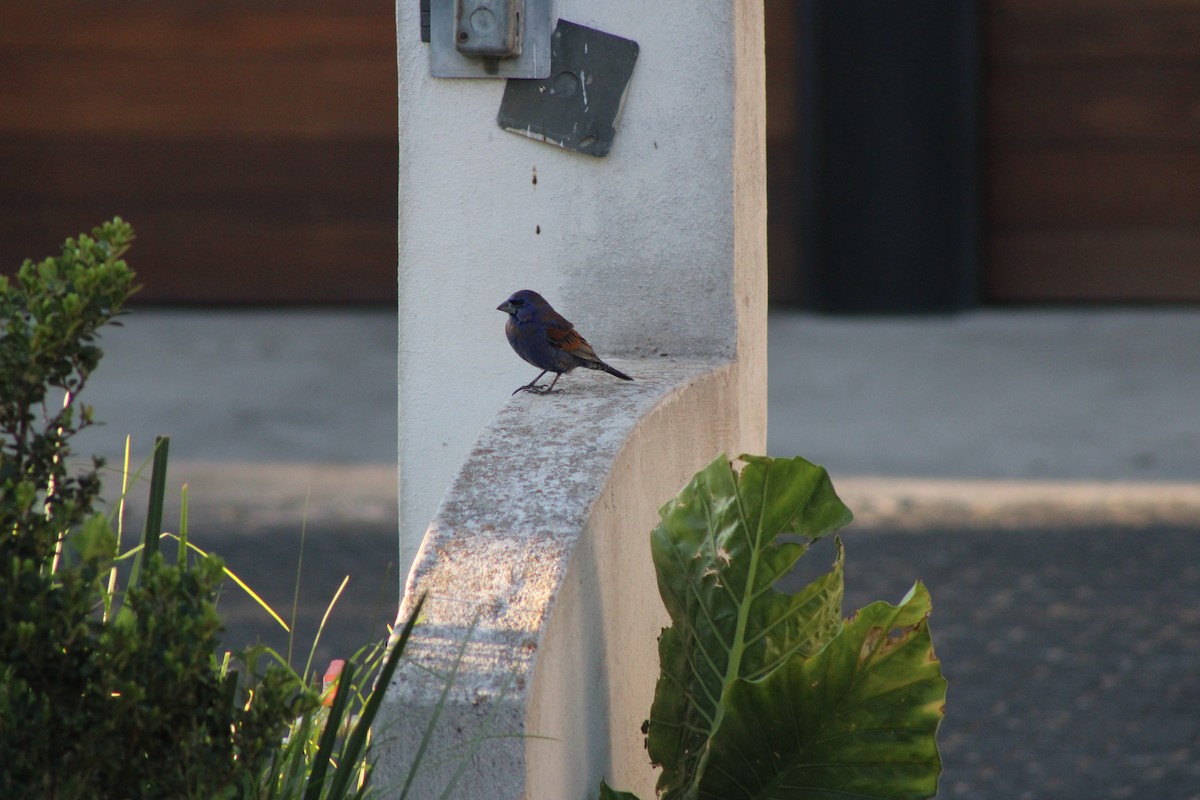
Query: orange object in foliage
column 330, row 680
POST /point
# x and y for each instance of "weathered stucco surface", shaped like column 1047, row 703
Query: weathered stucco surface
column 540, row 551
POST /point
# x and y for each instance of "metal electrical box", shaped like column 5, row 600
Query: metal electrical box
column 488, row 28
column 489, row 38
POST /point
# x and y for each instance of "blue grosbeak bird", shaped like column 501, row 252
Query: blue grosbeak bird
column 541, row 336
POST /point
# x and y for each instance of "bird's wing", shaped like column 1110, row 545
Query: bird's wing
column 569, row 339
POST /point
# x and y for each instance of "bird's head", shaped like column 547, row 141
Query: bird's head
column 523, row 304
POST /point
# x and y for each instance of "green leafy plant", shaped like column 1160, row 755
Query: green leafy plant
column 765, row 694
column 51, row 313
column 110, row 691
column 95, row 704
column 115, row 691
column 326, row 755
column 324, row 751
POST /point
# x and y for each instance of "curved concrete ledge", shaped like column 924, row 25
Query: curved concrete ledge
column 538, row 571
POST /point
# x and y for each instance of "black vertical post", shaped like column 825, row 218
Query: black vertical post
column 894, row 221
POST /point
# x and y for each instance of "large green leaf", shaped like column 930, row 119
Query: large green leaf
column 718, row 550
column 857, row 720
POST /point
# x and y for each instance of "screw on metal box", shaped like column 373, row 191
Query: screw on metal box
column 577, row 106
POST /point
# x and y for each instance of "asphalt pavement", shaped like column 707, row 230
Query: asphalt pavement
column 1038, row 470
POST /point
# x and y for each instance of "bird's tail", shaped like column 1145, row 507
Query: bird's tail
column 598, row 364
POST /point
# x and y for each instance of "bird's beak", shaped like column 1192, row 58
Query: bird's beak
column 506, row 307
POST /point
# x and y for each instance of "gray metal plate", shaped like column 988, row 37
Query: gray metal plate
column 577, row 106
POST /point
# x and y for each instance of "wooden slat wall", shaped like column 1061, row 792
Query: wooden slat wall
column 1092, row 143
column 252, row 143
column 783, row 145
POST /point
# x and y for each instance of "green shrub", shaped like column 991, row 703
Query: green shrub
column 765, row 694
column 51, row 314
column 95, row 704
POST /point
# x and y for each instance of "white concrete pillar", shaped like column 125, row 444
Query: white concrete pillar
column 541, row 506
column 642, row 250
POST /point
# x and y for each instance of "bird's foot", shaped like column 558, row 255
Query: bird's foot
column 534, row 389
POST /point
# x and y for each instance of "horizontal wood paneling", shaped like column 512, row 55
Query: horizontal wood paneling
column 241, row 222
column 1091, row 106
column 1071, row 31
column 784, row 141
column 1097, row 265
column 170, row 29
column 1043, row 187
column 196, row 97
column 223, row 69
column 252, row 143
column 281, row 178
column 210, row 256
column 1092, row 142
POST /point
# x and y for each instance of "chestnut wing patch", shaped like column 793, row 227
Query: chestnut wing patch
column 569, row 339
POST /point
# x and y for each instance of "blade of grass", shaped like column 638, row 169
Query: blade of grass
column 288, row 761
column 364, row 784
column 50, row 489
column 253, row 595
column 321, row 628
column 183, row 531
column 291, row 779
column 229, row 685
column 320, row 765
column 129, row 476
column 241, row 584
column 153, row 529
column 355, row 746
column 299, row 566
column 112, row 572
column 158, row 491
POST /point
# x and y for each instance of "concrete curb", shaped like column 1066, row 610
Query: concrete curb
column 289, row 493
column 253, row 495
column 921, row 504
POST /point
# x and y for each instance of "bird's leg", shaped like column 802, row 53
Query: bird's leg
column 530, row 387
column 546, row 389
